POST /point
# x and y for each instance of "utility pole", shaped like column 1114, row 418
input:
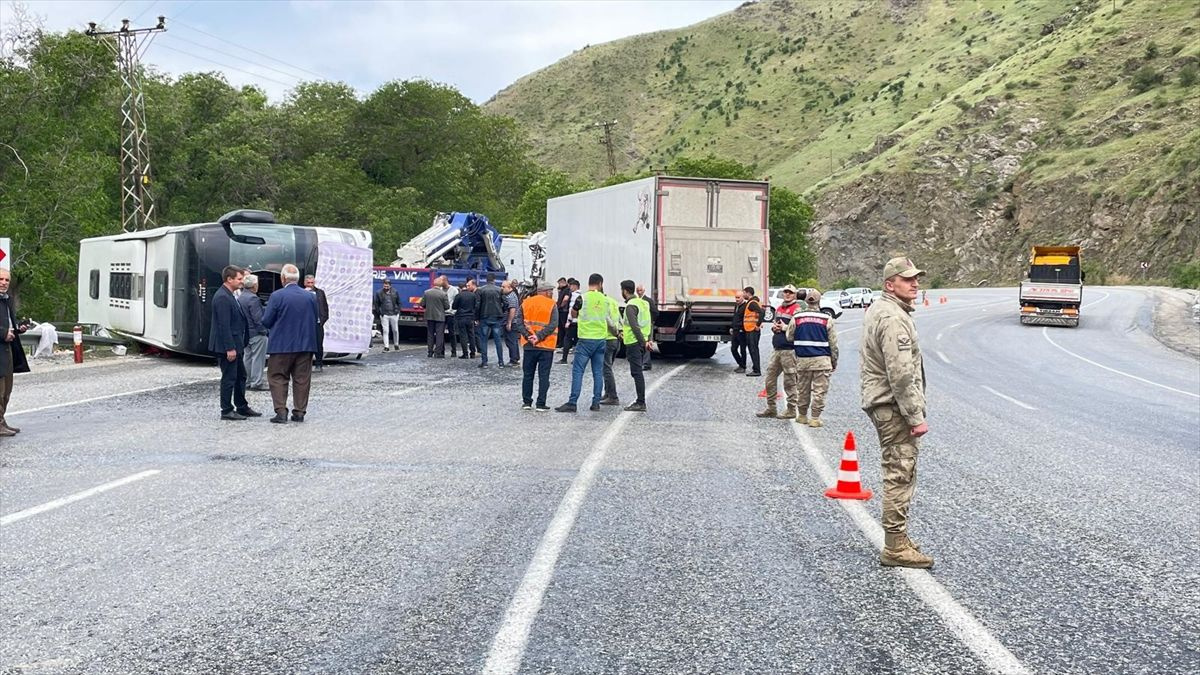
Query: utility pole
column 137, row 205
column 607, row 142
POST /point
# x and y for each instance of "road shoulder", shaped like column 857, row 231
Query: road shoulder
column 1174, row 323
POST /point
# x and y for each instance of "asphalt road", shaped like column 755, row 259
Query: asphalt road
column 420, row 522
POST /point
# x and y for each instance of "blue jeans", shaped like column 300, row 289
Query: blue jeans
column 588, row 351
column 494, row 328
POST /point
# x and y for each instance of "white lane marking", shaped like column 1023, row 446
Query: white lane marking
column 1096, row 302
column 405, row 392
column 508, row 647
column 118, row 395
column 943, row 357
column 1046, row 335
column 958, row 619
column 49, row 506
column 1009, row 398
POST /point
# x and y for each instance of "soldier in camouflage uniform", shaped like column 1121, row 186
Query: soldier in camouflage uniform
column 893, row 395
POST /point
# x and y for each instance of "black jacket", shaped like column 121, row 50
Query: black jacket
column 491, row 302
column 8, row 320
column 464, row 305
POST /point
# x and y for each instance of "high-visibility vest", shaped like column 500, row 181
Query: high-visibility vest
column 643, row 319
column 811, row 337
column 593, row 316
column 751, row 317
column 614, row 313
column 537, row 310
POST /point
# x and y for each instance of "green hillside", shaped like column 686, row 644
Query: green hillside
column 1001, row 108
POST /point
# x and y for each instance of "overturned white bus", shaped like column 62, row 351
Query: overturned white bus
column 154, row 286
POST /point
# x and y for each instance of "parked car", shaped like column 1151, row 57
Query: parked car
column 855, row 297
column 829, row 303
column 875, row 295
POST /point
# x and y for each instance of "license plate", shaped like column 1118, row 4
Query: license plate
column 708, row 338
column 405, row 317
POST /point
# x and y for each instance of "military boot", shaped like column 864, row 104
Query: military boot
column 769, row 412
column 801, row 419
column 789, row 414
column 816, row 423
column 899, row 551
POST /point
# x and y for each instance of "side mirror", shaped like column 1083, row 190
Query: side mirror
column 253, row 216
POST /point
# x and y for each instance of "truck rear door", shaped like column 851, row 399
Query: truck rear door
column 713, row 240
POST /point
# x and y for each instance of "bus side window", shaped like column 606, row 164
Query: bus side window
column 160, row 288
column 94, row 284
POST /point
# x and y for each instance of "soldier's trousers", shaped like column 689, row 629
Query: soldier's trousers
column 782, row 362
column 813, row 385
column 898, row 455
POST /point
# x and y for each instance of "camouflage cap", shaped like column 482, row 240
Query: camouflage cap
column 902, row 267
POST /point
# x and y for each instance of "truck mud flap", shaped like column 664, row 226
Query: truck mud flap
column 1050, row 321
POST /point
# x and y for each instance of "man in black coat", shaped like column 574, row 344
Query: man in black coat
column 310, row 283
column 227, row 338
column 464, row 306
column 12, row 356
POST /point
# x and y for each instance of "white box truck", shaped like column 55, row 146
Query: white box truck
column 693, row 242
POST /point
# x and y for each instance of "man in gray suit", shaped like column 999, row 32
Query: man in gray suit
column 255, row 355
column 436, row 304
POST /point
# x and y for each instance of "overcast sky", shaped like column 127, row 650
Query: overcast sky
column 478, row 47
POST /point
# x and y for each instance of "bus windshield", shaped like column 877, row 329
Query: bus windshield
column 279, row 248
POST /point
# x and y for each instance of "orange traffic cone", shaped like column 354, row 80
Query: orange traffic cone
column 763, row 394
column 849, row 485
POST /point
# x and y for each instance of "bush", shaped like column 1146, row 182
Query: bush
column 1186, row 275
column 1094, row 274
column 1145, row 79
column 849, row 282
column 1188, row 75
column 1151, row 50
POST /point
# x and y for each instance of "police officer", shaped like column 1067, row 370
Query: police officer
column 893, row 395
column 815, row 341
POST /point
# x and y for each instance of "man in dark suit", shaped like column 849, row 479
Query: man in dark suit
column 292, row 319
column 227, row 338
column 310, row 283
column 12, row 356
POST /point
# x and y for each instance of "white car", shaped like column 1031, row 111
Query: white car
column 855, row 297
column 829, row 303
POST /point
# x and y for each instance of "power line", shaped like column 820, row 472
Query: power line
column 110, row 12
column 226, row 65
column 252, row 51
column 261, row 65
column 143, row 12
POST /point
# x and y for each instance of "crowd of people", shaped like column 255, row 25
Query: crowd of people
column 287, row 336
column 528, row 327
column 527, row 331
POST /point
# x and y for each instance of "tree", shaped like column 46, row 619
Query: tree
column 790, row 220
column 530, row 214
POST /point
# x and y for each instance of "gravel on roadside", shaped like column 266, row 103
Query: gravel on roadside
column 1175, row 322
